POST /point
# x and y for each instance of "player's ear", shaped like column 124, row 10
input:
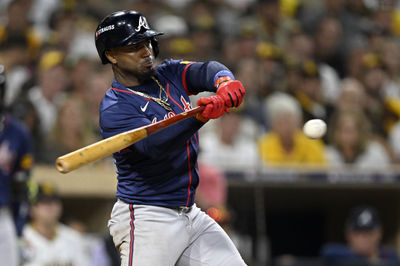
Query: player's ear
column 111, row 57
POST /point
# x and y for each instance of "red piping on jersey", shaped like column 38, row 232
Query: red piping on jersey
column 169, row 95
column 131, row 235
column 184, row 79
column 123, row 91
column 190, row 173
column 187, row 149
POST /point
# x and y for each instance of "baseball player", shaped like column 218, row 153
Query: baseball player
column 155, row 220
column 15, row 163
column 45, row 240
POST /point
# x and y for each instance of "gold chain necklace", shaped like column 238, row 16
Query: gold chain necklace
column 163, row 103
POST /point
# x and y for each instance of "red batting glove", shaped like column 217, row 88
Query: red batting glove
column 214, row 108
column 232, row 92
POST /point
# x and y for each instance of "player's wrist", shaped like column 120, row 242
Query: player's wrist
column 222, row 80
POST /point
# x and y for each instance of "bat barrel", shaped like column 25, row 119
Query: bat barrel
column 98, row 150
column 103, row 148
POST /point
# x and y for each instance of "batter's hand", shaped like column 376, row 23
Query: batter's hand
column 232, row 92
column 214, row 108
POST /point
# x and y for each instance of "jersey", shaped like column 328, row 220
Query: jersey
column 161, row 169
column 66, row 248
column 15, row 155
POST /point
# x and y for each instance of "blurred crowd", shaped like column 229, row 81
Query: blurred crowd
column 336, row 60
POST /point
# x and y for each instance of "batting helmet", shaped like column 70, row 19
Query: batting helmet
column 123, row 28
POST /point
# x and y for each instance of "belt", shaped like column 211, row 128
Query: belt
column 180, row 209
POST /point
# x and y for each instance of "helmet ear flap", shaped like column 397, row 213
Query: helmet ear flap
column 154, row 44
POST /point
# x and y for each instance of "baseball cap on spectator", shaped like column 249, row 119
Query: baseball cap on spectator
column 51, row 59
column 372, row 60
column 267, row 50
column 309, row 69
column 43, row 192
column 363, row 218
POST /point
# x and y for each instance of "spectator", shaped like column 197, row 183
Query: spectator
column 229, row 147
column 308, row 91
column 394, row 142
column 212, row 190
column 363, row 231
column 271, row 68
column 249, row 72
column 69, row 134
column 271, row 25
column 351, row 142
column 391, row 59
column 13, row 55
column 383, row 94
column 285, row 144
column 97, row 86
column 352, row 96
column 45, row 240
column 17, row 23
column 328, row 39
column 46, row 95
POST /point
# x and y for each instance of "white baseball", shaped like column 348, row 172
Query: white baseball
column 314, row 128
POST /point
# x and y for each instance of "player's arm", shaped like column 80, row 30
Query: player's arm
column 214, row 77
column 120, row 118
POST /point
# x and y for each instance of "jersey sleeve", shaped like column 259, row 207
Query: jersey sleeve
column 196, row 77
column 121, row 117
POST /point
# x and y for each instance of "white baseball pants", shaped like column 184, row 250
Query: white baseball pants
column 150, row 235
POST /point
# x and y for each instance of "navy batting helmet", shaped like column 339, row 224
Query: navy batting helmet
column 123, row 28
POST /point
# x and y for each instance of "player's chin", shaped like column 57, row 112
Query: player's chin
column 146, row 74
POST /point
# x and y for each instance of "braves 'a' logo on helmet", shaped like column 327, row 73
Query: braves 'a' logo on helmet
column 142, row 23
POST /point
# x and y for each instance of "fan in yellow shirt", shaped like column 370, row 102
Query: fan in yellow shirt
column 286, row 144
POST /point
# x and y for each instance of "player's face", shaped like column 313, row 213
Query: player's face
column 135, row 59
column 46, row 211
column 364, row 242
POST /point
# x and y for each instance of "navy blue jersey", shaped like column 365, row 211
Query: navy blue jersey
column 160, row 169
column 15, row 156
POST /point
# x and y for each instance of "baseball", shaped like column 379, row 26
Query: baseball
column 314, row 128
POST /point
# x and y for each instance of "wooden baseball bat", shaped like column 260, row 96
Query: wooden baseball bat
column 105, row 147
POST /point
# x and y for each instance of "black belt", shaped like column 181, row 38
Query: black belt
column 184, row 209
